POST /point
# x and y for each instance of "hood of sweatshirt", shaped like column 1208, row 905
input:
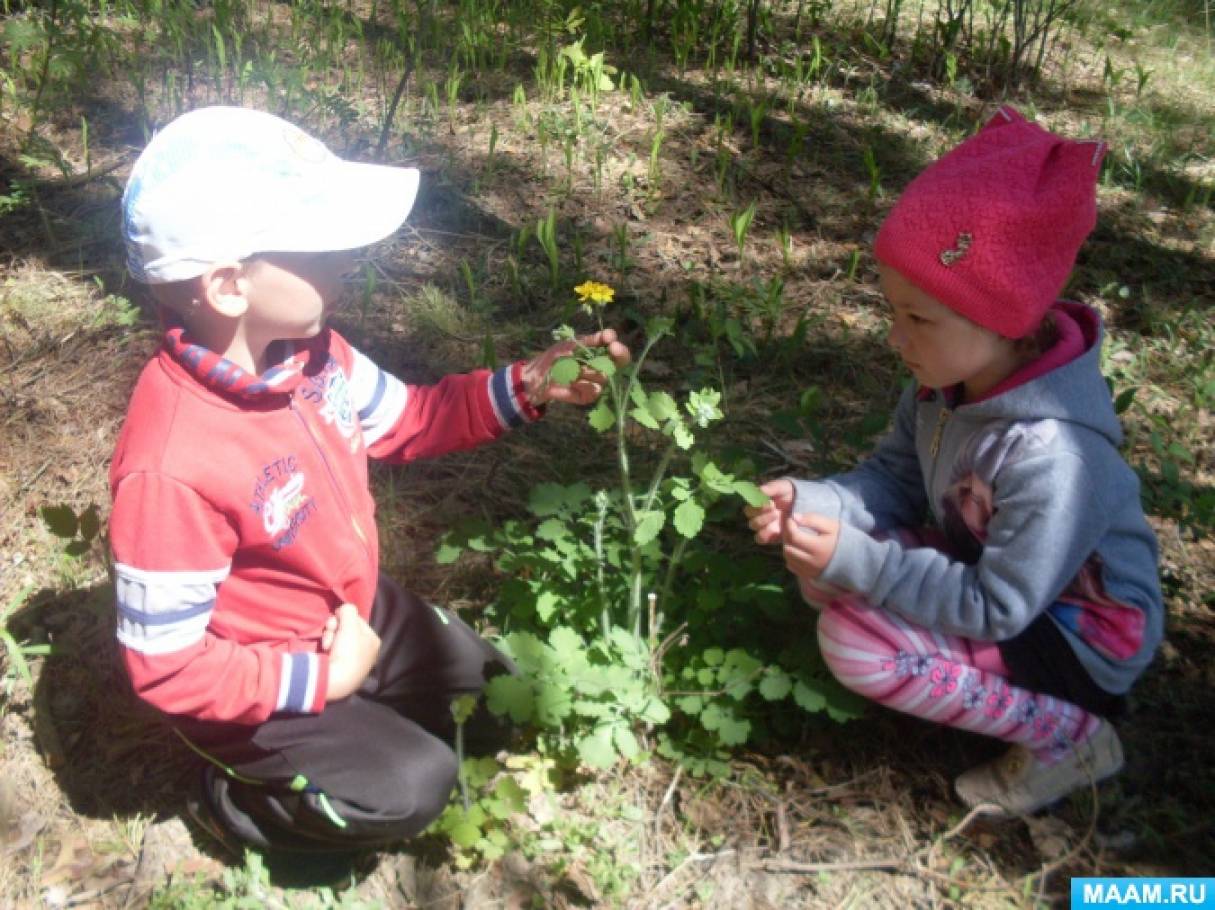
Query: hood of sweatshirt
column 1065, row 383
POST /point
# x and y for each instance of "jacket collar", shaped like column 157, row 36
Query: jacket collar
column 292, row 362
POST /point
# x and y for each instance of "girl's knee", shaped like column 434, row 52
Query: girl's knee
column 851, row 642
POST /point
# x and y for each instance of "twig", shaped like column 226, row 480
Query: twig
column 890, row 864
column 392, row 108
column 73, row 180
column 666, row 799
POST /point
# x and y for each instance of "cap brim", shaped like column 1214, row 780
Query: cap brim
column 354, row 205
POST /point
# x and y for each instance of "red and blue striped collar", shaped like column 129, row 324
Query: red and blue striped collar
column 220, row 374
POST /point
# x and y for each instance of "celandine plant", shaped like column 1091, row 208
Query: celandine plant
column 610, row 602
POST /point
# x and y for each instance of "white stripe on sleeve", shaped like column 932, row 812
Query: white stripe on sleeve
column 379, row 398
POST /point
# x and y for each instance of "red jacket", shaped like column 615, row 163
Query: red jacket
column 242, row 516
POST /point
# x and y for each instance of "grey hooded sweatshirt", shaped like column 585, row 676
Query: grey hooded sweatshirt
column 1039, row 511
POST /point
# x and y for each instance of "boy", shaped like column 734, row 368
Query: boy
column 250, row 606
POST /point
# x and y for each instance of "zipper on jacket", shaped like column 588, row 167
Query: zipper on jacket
column 938, row 432
column 337, row 487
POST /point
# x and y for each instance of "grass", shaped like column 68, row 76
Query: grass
column 819, row 133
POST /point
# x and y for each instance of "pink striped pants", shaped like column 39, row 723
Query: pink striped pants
column 943, row 678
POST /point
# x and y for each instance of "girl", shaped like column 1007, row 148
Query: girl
column 1033, row 605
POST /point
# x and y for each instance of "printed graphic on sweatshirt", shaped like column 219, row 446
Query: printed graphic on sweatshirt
column 1111, row 628
column 330, row 391
column 279, row 498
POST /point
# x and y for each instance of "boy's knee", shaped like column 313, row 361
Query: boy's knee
column 416, row 790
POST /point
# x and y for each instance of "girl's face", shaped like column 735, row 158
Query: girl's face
column 940, row 347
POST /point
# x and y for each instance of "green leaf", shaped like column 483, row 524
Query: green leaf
column 644, row 417
column 655, row 711
column 546, row 605
column 603, row 364
column 714, row 656
column 775, row 684
column 752, row 494
column 60, row 521
column 648, row 525
column 657, row 326
column 565, row 641
column 510, row 796
column 597, row 749
column 730, row 729
column 16, row 658
column 638, row 395
column 808, row 699
column 843, row 705
column 564, row 371
column 551, row 529
column 625, row 742
column 739, row 663
column 21, row 35
column 464, row 834
column 682, row 435
column 690, row 704
column 689, row 518
column 602, row 417
column 462, row 707
column 546, row 499
column 553, row 704
column 77, row 548
column 662, row 406
column 447, row 553
column 510, row 695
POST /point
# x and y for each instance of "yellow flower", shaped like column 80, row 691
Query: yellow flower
column 594, row 292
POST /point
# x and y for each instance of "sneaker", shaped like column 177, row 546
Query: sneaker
column 198, row 807
column 1017, row 783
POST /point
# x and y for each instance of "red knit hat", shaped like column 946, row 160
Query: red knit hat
column 992, row 228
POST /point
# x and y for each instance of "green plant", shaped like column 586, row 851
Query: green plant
column 546, row 236
column 610, row 595
column 591, row 74
column 740, row 225
column 18, row 651
column 785, row 239
column 478, row 828
column 874, row 170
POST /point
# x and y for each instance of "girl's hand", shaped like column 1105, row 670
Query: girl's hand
column 353, row 648
column 809, row 543
column 588, row 385
column 766, row 520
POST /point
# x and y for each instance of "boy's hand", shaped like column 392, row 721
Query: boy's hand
column 353, row 647
column 766, row 520
column 585, row 389
column 809, row 543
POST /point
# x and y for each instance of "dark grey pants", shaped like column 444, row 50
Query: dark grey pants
column 370, row 769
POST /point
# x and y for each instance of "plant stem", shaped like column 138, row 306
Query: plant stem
column 604, row 615
column 672, row 565
column 659, row 473
column 620, row 401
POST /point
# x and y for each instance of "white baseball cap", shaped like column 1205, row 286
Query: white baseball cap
column 223, row 183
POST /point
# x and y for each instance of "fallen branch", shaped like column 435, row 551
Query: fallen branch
column 889, row 864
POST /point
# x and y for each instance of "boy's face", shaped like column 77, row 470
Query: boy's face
column 940, row 347
column 290, row 295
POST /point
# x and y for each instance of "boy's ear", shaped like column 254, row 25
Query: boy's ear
column 223, row 288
